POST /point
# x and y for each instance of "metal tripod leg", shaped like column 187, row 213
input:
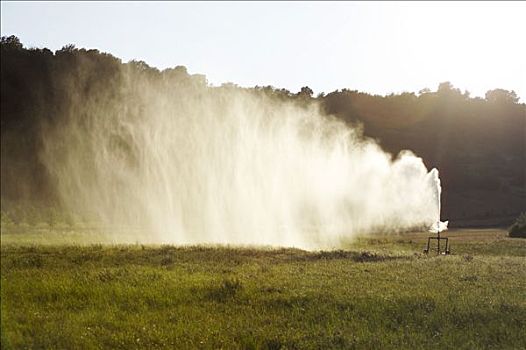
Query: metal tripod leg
column 428, row 244
column 438, row 238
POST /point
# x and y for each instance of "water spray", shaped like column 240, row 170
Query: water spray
column 203, row 165
column 438, row 226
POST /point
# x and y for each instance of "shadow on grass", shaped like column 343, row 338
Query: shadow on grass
column 357, row 256
column 218, row 257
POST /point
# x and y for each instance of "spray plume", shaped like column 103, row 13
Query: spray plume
column 194, row 165
column 437, row 226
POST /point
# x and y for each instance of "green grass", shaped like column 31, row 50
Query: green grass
column 378, row 293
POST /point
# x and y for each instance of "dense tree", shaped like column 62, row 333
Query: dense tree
column 502, row 96
column 11, row 43
column 305, row 92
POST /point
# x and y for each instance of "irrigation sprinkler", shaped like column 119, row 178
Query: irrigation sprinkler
column 440, row 226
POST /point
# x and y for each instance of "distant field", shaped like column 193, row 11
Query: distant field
column 379, row 292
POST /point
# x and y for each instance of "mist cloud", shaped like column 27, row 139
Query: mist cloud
column 189, row 164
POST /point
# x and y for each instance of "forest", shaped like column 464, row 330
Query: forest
column 478, row 144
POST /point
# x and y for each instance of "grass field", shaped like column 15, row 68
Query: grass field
column 379, row 292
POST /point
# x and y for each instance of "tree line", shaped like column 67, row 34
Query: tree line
column 478, row 144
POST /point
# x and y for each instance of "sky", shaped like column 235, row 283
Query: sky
column 375, row 47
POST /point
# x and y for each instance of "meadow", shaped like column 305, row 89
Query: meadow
column 377, row 292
